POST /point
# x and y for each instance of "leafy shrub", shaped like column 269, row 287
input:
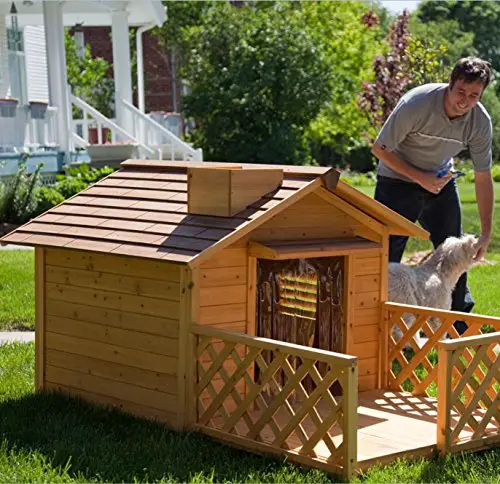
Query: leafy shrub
column 69, row 185
column 18, row 196
column 48, row 197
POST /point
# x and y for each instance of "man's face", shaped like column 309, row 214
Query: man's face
column 463, row 96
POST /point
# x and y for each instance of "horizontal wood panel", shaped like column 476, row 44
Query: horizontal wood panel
column 109, row 402
column 367, row 265
column 115, row 354
column 236, row 327
column 113, row 371
column 227, row 313
column 227, row 258
column 114, row 300
column 367, row 366
column 365, row 350
column 215, row 296
column 295, row 216
column 223, row 276
column 135, row 285
column 114, row 264
column 114, row 389
column 113, row 336
column 367, row 300
column 300, row 232
column 366, row 316
column 368, row 283
column 362, row 334
column 367, row 382
column 168, row 328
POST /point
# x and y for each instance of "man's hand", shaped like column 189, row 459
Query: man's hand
column 431, row 183
column 482, row 247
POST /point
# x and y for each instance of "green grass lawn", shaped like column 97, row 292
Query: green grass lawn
column 56, row 439
column 17, row 293
column 470, row 217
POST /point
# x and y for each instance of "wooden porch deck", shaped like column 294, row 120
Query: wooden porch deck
column 390, row 425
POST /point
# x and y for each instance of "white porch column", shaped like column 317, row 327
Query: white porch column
column 56, row 66
column 122, row 67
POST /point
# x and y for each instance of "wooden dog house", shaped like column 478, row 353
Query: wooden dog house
column 248, row 302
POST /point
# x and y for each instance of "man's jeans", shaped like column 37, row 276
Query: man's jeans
column 439, row 214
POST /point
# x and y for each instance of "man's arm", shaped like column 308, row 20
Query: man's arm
column 485, row 201
column 429, row 181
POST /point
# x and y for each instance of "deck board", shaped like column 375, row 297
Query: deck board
column 390, row 425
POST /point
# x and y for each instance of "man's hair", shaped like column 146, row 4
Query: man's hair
column 471, row 69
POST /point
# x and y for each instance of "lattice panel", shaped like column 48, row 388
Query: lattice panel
column 475, row 392
column 414, row 369
column 271, row 397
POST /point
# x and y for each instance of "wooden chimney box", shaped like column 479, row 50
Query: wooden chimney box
column 226, row 191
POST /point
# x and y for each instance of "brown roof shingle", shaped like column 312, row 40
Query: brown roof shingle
column 141, row 210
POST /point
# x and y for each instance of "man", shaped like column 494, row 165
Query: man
column 431, row 124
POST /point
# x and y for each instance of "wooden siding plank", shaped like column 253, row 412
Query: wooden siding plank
column 119, row 390
column 367, row 283
column 367, row 366
column 185, row 352
column 227, row 258
column 366, row 265
column 113, row 371
column 365, row 350
column 106, row 401
column 364, row 334
column 114, row 264
column 367, row 382
column 140, row 323
column 226, row 313
column 40, row 312
column 115, row 354
column 114, row 300
column 114, row 336
column 366, row 316
column 303, row 231
column 224, row 276
column 367, row 299
column 118, row 283
column 216, row 296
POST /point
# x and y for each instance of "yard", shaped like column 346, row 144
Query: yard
column 49, row 438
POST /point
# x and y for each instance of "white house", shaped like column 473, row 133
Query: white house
column 35, row 101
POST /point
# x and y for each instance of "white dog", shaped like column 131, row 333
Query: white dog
column 431, row 283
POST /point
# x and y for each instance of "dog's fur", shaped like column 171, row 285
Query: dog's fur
column 431, row 283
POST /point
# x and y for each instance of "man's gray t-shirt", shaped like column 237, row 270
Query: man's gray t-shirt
column 421, row 134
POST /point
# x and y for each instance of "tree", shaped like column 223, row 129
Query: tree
column 392, row 76
column 257, row 78
column 482, row 19
column 352, row 36
column 89, row 78
column 409, row 63
column 445, row 33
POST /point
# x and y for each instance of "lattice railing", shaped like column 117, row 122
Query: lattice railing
column 469, row 397
column 268, row 395
column 409, row 367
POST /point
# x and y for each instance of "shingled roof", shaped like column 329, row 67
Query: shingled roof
column 141, row 210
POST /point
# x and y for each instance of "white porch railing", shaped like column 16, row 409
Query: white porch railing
column 24, row 132
column 164, row 142
column 92, row 118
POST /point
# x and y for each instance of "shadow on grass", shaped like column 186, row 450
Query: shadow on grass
column 114, row 447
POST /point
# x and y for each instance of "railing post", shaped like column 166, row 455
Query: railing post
column 350, row 412
column 191, row 381
column 384, row 347
column 444, row 399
